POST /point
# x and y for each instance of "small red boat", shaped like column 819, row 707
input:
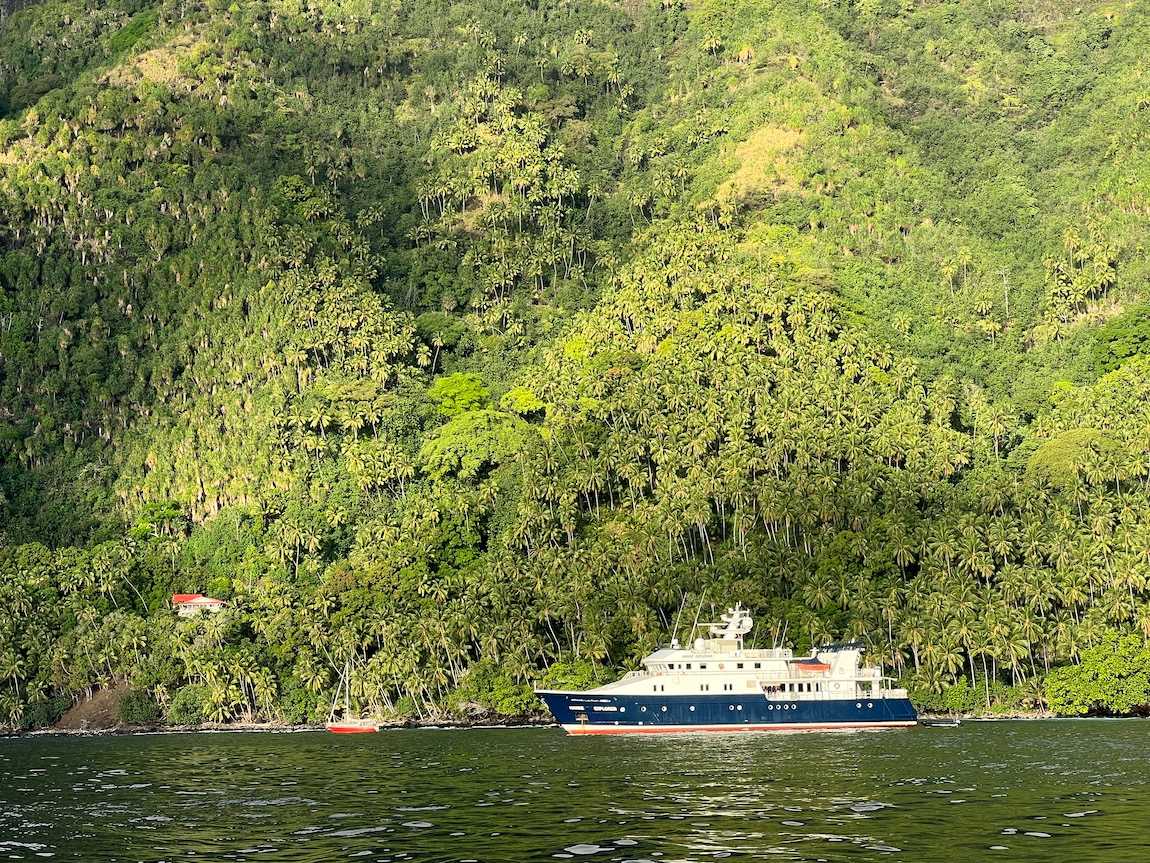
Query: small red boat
column 352, row 726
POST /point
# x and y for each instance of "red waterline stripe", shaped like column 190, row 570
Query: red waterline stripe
column 686, row 729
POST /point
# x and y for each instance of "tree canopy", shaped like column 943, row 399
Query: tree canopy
column 463, row 343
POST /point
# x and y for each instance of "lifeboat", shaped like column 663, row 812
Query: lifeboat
column 812, row 665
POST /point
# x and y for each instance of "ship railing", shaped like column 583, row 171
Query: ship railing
column 810, row 696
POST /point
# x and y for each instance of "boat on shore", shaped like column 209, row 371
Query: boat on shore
column 717, row 684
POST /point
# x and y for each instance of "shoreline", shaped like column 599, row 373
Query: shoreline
column 449, row 725
column 275, row 728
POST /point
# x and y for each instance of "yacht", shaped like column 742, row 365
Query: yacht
column 717, row 684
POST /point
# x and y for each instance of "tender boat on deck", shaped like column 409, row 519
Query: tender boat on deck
column 718, row 685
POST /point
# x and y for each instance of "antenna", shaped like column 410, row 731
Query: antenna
column 698, row 611
column 678, row 614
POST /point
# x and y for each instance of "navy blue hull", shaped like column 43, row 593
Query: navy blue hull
column 592, row 713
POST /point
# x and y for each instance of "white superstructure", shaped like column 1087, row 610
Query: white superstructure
column 720, row 664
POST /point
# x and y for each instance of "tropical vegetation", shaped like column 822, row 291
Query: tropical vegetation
column 462, row 344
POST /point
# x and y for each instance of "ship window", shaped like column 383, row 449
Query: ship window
column 688, row 666
column 758, row 665
column 739, row 666
column 702, row 666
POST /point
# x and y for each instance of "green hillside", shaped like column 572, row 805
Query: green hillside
column 467, row 342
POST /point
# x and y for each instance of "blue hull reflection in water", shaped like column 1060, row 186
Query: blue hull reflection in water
column 1035, row 791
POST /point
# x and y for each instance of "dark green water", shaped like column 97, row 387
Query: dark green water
column 1043, row 791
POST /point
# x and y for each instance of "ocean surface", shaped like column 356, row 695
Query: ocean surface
column 1042, row 791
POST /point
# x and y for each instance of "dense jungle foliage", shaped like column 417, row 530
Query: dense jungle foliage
column 464, row 343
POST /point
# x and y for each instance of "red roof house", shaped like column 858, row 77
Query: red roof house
column 191, row 604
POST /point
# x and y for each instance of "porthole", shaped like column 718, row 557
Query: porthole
column 730, row 707
column 858, row 704
column 770, row 707
column 644, row 709
column 692, row 708
column 622, row 709
column 664, row 708
column 836, row 686
column 870, row 705
column 739, row 707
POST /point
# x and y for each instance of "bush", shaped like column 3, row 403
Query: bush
column 405, row 708
column 924, row 699
column 961, row 697
column 487, row 685
column 188, row 705
column 576, row 674
column 298, row 706
column 46, row 713
column 139, row 708
column 1113, row 678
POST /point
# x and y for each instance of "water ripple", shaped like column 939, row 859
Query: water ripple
column 1020, row 792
